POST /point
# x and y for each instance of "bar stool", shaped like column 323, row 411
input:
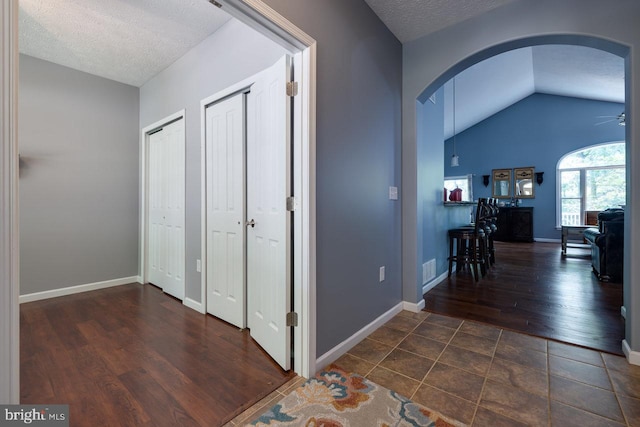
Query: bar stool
column 470, row 245
column 492, row 220
column 486, row 225
column 486, row 219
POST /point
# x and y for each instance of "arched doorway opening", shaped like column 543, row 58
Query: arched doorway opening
column 430, row 228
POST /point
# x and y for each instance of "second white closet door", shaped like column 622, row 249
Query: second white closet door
column 166, row 209
column 225, row 180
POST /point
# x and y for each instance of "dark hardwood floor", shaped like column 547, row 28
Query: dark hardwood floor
column 133, row 356
column 533, row 289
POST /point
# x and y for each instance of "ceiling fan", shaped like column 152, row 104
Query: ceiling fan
column 619, row 118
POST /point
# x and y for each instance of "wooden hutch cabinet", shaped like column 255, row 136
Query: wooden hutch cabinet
column 515, row 224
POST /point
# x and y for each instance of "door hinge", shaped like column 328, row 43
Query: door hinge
column 291, row 203
column 292, row 318
column 292, row 88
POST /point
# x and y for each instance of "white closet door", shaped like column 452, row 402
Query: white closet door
column 268, row 185
column 166, row 184
column 225, row 181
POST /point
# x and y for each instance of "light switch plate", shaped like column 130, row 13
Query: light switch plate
column 382, row 273
column 393, row 193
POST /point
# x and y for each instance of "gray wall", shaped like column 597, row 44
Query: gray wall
column 358, row 157
column 231, row 54
column 78, row 141
column 430, row 61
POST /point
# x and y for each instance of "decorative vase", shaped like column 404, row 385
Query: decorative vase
column 456, row 195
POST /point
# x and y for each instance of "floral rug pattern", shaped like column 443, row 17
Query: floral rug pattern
column 335, row 398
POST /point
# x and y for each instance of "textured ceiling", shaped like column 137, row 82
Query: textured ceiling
column 412, row 19
column 129, row 41
column 132, row 40
column 578, row 71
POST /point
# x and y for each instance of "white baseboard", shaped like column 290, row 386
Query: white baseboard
column 623, row 312
column 412, row 306
column 36, row 296
column 545, row 240
column 346, row 345
column 195, row 305
column 139, row 280
column 633, row 357
column 432, row 284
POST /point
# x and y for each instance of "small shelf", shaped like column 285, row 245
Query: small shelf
column 460, row 203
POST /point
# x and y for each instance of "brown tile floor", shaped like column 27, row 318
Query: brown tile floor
column 486, row 376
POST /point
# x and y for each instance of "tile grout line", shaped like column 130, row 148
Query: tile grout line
column 549, row 417
column 383, row 367
column 396, row 346
column 436, row 361
column 582, row 381
column 612, row 390
column 615, row 390
column 418, row 354
column 486, row 377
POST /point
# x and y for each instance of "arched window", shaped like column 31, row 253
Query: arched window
column 591, row 179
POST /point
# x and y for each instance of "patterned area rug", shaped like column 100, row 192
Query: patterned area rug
column 335, row 398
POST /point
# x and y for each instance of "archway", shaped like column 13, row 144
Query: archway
column 412, row 122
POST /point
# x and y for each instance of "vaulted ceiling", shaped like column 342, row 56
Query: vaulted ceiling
column 132, row 40
column 500, row 81
column 492, row 85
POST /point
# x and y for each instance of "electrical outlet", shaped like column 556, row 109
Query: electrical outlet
column 382, row 273
column 199, row 266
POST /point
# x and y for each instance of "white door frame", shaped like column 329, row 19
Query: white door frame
column 144, row 189
column 303, row 50
column 265, row 20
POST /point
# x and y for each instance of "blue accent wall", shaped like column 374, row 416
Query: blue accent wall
column 434, row 219
column 536, row 131
column 430, row 134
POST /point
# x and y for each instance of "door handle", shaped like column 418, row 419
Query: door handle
column 251, row 223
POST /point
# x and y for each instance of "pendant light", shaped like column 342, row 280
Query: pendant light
column 455, row 160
